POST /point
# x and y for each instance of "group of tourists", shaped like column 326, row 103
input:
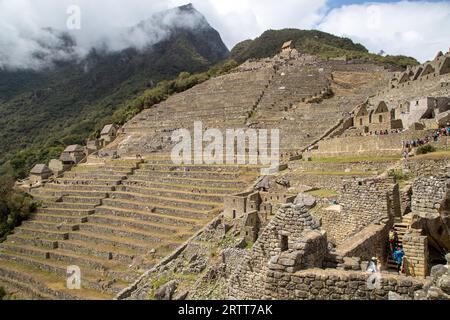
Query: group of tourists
column 385, row 132
column 435, row 136
column 395, row 249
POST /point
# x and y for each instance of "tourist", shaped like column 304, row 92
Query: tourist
column 393, row 239
column 398, row 257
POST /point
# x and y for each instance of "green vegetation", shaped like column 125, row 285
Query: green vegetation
column 313, row 42
column 41, row 112
column 2, row 293
column 15, row 206
column 323, row 193
column 165, row 89
column 355, row 159
column 426, row 149
column 402, row 176
column 336, row 173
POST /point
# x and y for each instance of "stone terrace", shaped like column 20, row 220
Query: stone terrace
column 308, row 114
column 114, row 219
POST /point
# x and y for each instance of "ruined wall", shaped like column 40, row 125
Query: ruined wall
column 364, row 202
column 369, row 242
column 368, row 145
column 284, row 243
column 428, row 193
column 427, row 167
column 332, row 284
column 415, row 262
column 321, row 181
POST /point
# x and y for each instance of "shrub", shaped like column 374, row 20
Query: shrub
column 426, row 149
column 15, row 206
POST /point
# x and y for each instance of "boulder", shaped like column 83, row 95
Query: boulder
column 306, row 200
column 444, row 284
column 166, row 291
column 282, row 181
column 395, row 296
column 438, row 271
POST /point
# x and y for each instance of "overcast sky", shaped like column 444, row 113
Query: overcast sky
column 416, row 28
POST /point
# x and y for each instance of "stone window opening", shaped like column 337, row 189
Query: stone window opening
column 284, row 243
column 234, row 214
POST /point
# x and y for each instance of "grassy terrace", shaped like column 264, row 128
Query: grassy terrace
column 355, row 159
column 323, row 193
column 334, row 173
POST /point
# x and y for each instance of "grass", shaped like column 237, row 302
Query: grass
column 355, row 159
column 336, row 173
column 323, row 193
column 434, row 155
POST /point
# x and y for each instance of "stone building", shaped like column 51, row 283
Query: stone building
column 237, row 205
column 73, row 154
column 381, row 118
column 40, row 173
column 109, row 133
column 362, row 117
column 287, row 46
column 439, row 66
column 422, row 108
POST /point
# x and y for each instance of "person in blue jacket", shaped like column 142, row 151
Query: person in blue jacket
column 398, row 257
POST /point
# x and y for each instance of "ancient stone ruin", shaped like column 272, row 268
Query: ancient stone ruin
column 141, row 227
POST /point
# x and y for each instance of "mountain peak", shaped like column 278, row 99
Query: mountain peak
column 187, row 7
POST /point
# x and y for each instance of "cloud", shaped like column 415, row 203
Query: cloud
column 238, row 20
column 415, row 28
column 418, row 29
column 26, row 40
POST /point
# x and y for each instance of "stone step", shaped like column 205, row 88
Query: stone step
column 164, row 201
column 197, row 168
column 126, row 232
column 103, row 252
column 87, row 200
column 51, row 226
column 33, row 241
column 87, row 181
column 196, row 195
column 45, row 234
column 74, row 220
column 66, row 188
column 140, row 247
column 66, row 256
column 44, row 198
column 74, row 193
column 68, row 205
column 186, row 188
column 95, row 176
column 189, row 174
column 197, row 182
column 60, row 270
column 66, row 212
column 133, row 223
column 23, row 290
column 173, row 214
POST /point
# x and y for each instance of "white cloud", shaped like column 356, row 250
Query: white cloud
column 418, row 29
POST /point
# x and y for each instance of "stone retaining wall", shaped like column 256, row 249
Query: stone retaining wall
column 332, row 284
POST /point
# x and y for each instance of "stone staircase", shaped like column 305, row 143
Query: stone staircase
column 114, row 219
column 401, row 225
